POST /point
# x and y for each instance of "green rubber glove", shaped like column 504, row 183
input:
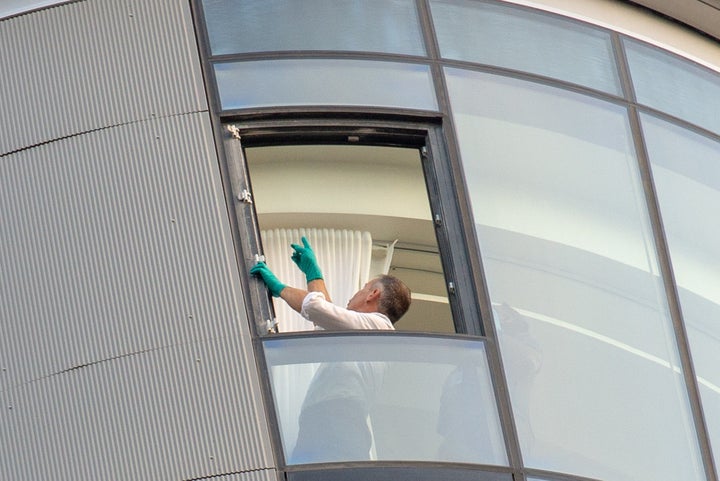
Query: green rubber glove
column 305, row 259
column 273, row 283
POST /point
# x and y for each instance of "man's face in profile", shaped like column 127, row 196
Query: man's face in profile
column 358, row 300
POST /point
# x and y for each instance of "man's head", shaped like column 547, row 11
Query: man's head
column 386, row 294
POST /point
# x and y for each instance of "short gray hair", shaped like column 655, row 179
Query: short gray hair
column 395, row 297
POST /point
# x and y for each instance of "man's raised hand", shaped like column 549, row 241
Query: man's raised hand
column 305, row 259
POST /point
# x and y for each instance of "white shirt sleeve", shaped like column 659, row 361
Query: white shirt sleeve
column 326, row 315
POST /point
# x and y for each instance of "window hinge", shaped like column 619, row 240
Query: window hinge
column 271, row 325
column 259, row 258
column 245, row 196
column 424, row 151
column 451, row 287
column 234, row 131
column 438, row 220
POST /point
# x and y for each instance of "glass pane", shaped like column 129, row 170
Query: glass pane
column 686, row 170
column 389, row 26
column 584, row 328
column 520, row 39
column 391, row 397
column 679, row 87
column 324, row 82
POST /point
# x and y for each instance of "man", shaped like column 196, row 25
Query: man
column 378, row 305
column 333, row 420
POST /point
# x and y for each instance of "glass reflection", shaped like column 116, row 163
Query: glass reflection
column 674, row 85
column 584, row 328
column 417, row 398
column 521, row 39
column 388, row 26
column 686, row 171
column 269, row 83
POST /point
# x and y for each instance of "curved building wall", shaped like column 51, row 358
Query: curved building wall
column 557, row 124
column 590, row 161
column 124, row 346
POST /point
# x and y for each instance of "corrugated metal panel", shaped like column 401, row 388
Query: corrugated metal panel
column 87, row 65
column 172, row 414
column 262, row 475
column 116, row 255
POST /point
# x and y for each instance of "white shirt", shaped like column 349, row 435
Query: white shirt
column 358, row 381
column 328, row 316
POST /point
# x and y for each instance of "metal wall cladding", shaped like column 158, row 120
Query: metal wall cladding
column 163, row 415
column 91, row 64
column 125, row 349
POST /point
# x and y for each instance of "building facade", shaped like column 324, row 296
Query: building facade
column 535, row 171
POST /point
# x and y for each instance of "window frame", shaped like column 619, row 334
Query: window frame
column 450, row 222
column 398, row 471
column 456, row 238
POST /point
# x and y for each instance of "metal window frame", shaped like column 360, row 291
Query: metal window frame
column 402, row 470
column 453, row 227
column 424, row 136
column 392, row 471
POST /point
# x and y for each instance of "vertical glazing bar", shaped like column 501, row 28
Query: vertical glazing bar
column 473, row 282
column 666, row 270
column 476, row 275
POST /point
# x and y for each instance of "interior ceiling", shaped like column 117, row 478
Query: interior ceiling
column 702, row 15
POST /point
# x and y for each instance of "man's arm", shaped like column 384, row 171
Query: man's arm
column 331, row 317
column 294, row 297
column 318, row 285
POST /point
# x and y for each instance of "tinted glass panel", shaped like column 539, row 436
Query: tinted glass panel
column 523, row 40
column 585, row 334
column 411, row 399
column 371, row 25
column 678, row 87
column 324, row 82
column 686, row 169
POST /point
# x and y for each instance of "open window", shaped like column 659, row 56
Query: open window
column 365, row 202
column 371, row 199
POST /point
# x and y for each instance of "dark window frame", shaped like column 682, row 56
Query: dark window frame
column 450, row 226
column 391, row 471
column 455, row 235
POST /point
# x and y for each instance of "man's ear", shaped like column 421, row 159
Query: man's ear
column 374, row 295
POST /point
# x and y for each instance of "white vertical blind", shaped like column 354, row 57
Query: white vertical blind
column 344, row 257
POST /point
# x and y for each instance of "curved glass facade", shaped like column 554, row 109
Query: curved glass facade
column 573, row 277
column 590, row 162
column 527, row 41
column 430, row 400
column 325, row 82
column 686, row 170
